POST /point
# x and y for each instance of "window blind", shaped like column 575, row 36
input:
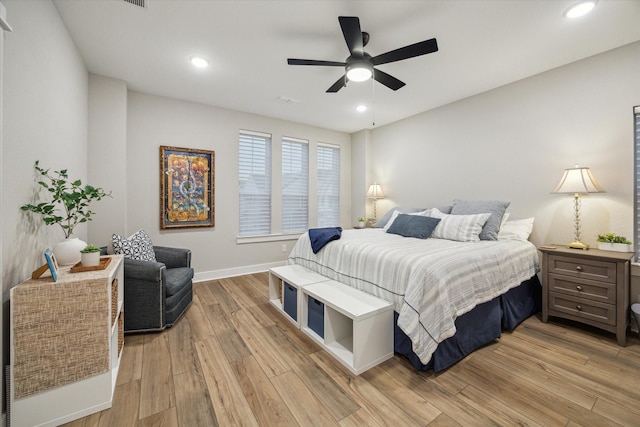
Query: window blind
column 255, row 183
column 328, row 186
column 295, row 185
column 636, row 183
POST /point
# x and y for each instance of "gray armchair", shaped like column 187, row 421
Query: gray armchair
column 156, row 294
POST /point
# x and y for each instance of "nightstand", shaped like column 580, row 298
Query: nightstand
column 590, row 287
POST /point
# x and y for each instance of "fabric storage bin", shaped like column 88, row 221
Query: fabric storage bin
column 315, row 316
column 290, row 304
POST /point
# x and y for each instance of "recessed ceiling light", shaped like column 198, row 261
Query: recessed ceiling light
column 199, row 62
column 580, row 9
column 361, row 108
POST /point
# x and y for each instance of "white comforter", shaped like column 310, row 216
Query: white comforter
column 431, row 282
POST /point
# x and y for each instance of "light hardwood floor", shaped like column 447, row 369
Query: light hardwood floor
column 233, row 360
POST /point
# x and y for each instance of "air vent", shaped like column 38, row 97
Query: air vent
column 139, row 3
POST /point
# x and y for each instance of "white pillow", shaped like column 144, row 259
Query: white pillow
column 137, row 246
column 505, row 217
column 462, row 228
column 519, row 229
column 397, row 212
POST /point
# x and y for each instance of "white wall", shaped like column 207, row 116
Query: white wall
column 153, row 121
column 359, row 150
column 107, row 155
column 45, row 118
column 514, row 142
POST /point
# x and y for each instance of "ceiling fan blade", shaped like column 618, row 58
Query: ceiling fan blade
column 293, row 61
column 387, row 80
column 352, row 34
column 411, row 51
column 342, row 82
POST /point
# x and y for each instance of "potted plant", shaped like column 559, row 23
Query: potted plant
column 613, row 242
column 90, row 256
column 69, row 206
column 361, row 222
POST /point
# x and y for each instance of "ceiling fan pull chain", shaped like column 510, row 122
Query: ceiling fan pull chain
column 373, row 103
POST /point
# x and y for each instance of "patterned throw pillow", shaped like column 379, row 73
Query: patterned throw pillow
column 462, row 228
column 137, row 246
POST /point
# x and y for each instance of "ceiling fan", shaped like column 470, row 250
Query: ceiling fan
column 359, row 66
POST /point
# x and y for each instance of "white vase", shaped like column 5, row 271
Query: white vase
column 67, row 252
column 90, row 259
column 615, row 247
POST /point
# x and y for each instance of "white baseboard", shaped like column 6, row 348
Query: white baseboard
column 236, row 271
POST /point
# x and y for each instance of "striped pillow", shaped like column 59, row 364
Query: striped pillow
column 462, row 228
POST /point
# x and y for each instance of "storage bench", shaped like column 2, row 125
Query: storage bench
column 354, row 327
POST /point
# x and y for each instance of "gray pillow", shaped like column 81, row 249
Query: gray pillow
column 445, row 209
column 417, row 226
column 495, row 207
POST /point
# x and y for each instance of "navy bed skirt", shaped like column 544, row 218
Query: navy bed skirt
column 479, row 327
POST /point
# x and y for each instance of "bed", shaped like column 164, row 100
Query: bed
column 450, row 297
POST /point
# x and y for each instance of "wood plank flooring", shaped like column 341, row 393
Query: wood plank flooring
column 234, row 360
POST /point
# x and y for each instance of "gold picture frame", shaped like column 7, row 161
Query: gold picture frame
column 187, row 196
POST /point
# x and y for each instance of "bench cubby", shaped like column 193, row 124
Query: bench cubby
column 357, row 329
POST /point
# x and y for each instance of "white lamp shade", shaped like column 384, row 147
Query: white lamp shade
column 375, row 191
column 359, row 71
column 578, row 180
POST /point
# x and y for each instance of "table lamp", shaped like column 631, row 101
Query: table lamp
column 577, row 181
column 375, row 193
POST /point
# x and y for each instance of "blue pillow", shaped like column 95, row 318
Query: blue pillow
column 386, row 217
column 416, row 226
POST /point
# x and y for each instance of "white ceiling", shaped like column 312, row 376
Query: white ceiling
column 483, row 45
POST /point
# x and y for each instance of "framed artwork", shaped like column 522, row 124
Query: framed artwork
column 186, row 188
column 52, row 263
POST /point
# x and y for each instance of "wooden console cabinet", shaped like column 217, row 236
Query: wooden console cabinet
column 66, row 341
column 589, row 286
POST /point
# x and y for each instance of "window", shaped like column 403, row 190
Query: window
column 636, row 184
column 295, row 185
column 328, row 185
column 255, row 183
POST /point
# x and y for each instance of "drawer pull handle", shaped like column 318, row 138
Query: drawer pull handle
column 578, row 268
column 579, row 307
column 579, row 288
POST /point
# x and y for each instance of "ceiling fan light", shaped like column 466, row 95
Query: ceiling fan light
column 580, row 9
column 359, row 72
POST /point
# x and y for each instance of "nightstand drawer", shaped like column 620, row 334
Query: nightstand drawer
column 582, row 288
column 584, row 268
column 580, row 307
